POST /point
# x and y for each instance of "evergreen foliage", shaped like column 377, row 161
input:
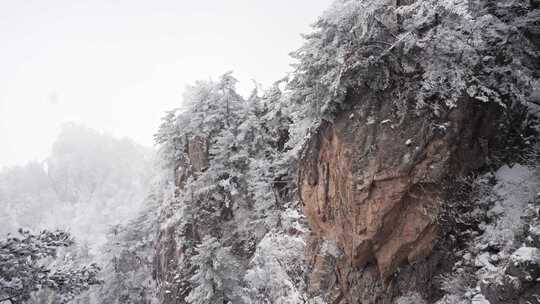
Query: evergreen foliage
column 22, row 271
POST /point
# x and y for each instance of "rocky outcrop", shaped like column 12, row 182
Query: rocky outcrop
column 168, row 251
column 373, row 182
column 196, row 150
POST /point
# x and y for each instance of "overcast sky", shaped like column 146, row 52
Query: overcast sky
column 117, row 65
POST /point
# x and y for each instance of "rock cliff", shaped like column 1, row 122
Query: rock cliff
column 374, row 184
column 168, row 250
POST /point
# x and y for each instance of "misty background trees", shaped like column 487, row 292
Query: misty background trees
column 89, row 186
column 89, row 183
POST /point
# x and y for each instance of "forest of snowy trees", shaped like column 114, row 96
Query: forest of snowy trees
column 217, row 214
column 90, row 180
column 90, row 184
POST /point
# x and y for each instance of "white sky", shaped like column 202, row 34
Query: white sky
column 117, row 65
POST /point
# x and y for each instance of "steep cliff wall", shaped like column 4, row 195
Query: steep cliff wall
column 376, row 175
column 374, row 185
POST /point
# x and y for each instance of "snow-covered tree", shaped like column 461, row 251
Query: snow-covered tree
column 89, row 181
column 430, row 54
column 235, row 185
column 207, row 280
column 23, row 271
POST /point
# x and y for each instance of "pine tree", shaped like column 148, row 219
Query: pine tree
column 22, row 271
column 207, row 279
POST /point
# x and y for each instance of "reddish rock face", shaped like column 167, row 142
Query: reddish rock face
column 374, row 183
column 377, row 214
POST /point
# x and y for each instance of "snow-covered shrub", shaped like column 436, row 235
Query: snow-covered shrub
column 236, row 191
column 429, row 53
column 458, row 284
column 488, row 265
column 276, row 270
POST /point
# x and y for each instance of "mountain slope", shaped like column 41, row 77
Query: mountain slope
column 392, row 106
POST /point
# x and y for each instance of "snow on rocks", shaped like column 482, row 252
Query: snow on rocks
column 516, row 186
column 479, row 299
column 526, row 254
column 525, row 264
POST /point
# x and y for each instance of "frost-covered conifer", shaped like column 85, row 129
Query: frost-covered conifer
column 22, row 268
